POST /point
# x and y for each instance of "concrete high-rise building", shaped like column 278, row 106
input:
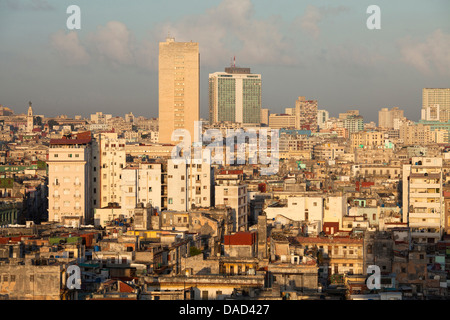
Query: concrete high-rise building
column 436, row 104
column 386, row 117
column 306, row 114
column 322, row 118
column 108, row 161
column 69, row 167
column 179, row 88
column 232, row 192
column 423, row 199
column 235, row 96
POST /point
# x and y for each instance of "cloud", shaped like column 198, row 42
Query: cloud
column 231, row 29
column 113, row 43
column 313, row 16
column 69, row 48
column 429, row 56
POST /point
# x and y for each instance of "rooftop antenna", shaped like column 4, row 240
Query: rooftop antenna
column 234, row 62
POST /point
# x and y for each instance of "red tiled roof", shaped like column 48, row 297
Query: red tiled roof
column 240, row 239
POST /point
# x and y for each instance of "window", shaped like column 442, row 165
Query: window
column 170, row 201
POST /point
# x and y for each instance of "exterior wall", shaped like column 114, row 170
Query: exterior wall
column 189, row 184
column 31, row 282
column 209, row 287
column 299, row 209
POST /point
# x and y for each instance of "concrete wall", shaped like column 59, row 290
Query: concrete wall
column 20, row 282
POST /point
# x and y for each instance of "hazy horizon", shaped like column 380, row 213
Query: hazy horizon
column 321, row 50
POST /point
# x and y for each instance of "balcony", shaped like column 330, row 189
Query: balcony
column 77, row 184
column 56, row 196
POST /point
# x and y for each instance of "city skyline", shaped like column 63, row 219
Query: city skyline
column 323, row 51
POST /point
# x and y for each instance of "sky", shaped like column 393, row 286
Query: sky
column 319, row 49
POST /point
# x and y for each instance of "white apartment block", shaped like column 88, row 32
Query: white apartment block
column 108, row 161
column 142, row 184
column 69, row 180
column 423, row 199
column 308, row 208
column 189, row 184
column 234, row 194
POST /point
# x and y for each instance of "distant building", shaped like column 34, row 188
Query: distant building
column 386, row 117
column 306, row 114
column 235, row 95
column 30, row 119
column 322, row 118
column 436, row 104
column 282, row 121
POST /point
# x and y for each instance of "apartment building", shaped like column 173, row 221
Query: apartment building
column 108, row 161
column 341, row 255
column 69, row 166
column 189, row 183
column 144, row 183
column 231, row 192
column 306, row 114
column 423, row 201
column 386, row 117
column 367, row 139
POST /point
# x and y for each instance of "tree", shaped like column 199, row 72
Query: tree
column 193, row 251
column 52, row 123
